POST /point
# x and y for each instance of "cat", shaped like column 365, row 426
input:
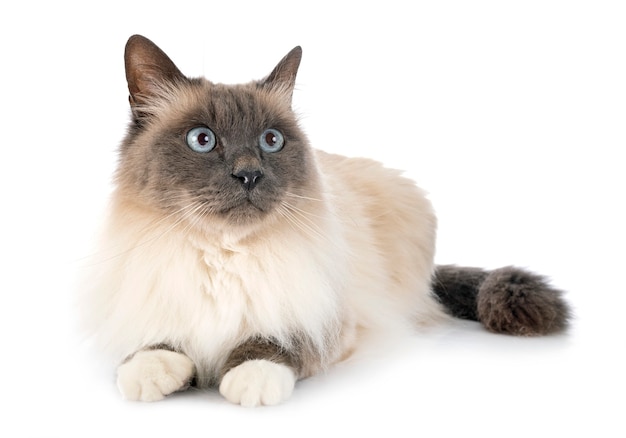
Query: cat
column 235, row 255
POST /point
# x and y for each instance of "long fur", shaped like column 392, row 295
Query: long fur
column 324, row 270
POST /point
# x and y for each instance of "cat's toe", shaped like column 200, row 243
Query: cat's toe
column 258, row 382
column 152, row 374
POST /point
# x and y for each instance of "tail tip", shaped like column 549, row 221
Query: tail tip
column 514, row 301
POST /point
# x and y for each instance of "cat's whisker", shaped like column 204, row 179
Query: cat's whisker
column 109, row 249
column 293, row 195
column 308, row 198
column 287, row 215
column 187, row 211
column 298, row 220
column 304, row 212
column 198, row 216
column 293, row 222
column 192, row 217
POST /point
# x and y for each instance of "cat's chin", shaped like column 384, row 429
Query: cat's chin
column 240, row 221
column 245, row 215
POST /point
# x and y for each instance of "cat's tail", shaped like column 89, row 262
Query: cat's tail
column 506, row 300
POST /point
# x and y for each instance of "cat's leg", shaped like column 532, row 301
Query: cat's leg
column 260, row 372
column 151, row 374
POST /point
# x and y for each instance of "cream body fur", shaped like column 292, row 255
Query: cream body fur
column 360, row 258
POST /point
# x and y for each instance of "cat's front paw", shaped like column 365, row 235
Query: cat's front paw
column 150, row 375
column 258, row 382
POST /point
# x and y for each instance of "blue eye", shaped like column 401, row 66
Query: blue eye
column 201, row 139
column 271, row 140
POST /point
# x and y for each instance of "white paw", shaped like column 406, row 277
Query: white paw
column 152, row 374
column 258, row 382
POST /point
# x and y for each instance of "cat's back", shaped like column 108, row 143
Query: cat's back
column 382, row 191
column 390, row 224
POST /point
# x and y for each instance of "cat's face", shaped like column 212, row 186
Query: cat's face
column 230, row 154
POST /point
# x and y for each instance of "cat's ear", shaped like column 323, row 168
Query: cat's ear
column 147, row 68
column 283, row 77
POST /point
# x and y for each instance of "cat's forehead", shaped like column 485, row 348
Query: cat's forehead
column 224, row 106
column 244, row 100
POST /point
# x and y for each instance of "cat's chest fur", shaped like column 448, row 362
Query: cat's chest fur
column 206, row 294
column 224, row 270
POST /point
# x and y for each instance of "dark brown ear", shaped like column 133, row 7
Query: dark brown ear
column 147, row 66
column 283, row 77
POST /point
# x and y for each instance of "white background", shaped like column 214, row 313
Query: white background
column 511, row 114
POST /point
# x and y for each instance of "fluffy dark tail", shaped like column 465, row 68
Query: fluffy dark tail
column 506, row 300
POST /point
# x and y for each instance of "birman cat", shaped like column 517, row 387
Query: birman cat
column 236, row 255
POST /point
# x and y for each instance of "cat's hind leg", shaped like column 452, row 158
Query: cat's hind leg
column 150, row 375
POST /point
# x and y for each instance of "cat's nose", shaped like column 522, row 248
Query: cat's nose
column 249, row 178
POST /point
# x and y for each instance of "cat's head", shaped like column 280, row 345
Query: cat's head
column 229, row 155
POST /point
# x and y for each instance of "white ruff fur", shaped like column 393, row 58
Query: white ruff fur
column 361, row 258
